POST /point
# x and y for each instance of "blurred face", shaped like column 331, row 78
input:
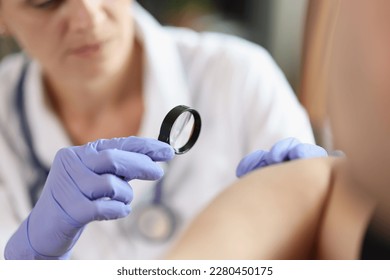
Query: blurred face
column 359, row 102
column 72, row 38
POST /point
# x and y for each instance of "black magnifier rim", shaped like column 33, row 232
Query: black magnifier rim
column 168, row 122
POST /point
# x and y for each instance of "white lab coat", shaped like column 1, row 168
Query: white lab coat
column 243, row 98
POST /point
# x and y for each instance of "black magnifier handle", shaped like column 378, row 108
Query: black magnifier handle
column 169, row 121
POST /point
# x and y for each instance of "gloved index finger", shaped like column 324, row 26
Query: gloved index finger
column 279, row 152
column 156, row 150
column 251, row 162
column 124, row 164
column 307, row 151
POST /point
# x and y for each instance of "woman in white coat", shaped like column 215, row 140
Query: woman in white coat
column 98, row 69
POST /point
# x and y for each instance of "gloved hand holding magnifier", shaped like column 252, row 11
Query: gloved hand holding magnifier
column 90, row 182
column 181, row 128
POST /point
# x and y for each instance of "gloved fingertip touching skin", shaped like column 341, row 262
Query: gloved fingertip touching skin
column 283, row 150
column 251, row 162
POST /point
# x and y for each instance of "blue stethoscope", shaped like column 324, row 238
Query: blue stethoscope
column 42, row 171
column 155, row 221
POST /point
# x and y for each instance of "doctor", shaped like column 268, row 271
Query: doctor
column 103, row 69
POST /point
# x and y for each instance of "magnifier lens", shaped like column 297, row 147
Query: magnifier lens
column 182, row 130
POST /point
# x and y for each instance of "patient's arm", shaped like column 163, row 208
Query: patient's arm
column 346, row 216
column 272, row 213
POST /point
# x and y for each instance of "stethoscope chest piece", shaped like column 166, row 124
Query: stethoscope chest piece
column 155, row 222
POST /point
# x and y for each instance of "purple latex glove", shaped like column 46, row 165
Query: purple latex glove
column 85, row 183
column 284, row 150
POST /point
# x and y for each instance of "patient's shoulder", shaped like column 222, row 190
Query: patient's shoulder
column 315, row 173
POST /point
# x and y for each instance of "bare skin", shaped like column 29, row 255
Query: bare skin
column 346, row 217
column 263, row 216
column 117, row 115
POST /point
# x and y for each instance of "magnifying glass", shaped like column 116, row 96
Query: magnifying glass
column 181, row 128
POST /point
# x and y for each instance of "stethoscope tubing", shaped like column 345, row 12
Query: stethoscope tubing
column 41, row 170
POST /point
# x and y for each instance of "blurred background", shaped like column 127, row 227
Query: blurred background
column 275, row 24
